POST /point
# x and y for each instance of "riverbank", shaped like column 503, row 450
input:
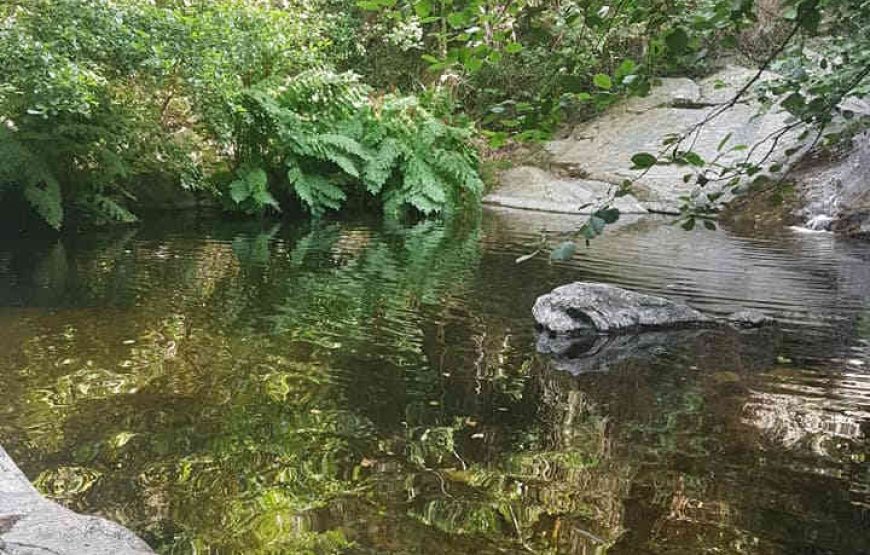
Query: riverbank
column 580, row 172
column 31, row 524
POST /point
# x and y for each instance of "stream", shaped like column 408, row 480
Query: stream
column 366, row 387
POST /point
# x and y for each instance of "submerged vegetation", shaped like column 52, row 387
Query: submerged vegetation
column 268, row 106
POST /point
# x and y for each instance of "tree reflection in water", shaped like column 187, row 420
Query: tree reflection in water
column 357, row 389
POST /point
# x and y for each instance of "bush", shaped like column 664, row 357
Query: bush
column 326, row 138
column 98, row 97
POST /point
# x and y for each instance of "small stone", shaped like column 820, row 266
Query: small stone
column 750, row 319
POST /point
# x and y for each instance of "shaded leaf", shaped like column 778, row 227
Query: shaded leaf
column 563, row 251
column 643, row 160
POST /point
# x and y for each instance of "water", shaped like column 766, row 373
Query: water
column 363, row 388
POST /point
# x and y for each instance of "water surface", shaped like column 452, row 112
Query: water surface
column 353, row 387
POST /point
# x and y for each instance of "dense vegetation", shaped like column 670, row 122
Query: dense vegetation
column 265, row 105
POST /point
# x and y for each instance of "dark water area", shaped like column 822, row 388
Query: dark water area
column 358, row 387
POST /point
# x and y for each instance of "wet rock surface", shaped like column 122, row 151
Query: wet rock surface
column 582, row 307
column 530, row 188
column 33, row 525
column 836, row 192
column 600, row 150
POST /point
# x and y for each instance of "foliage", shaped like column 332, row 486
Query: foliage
column 523, row 67
column 97, row 94
column 330, row 140
column 101, row 97
column 822, row 64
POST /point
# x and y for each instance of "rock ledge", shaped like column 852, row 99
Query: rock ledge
column 33, row 525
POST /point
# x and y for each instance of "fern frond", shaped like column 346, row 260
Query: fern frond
column 104, row 208
column 381, row 165
column 317, row 191
column 45, row 198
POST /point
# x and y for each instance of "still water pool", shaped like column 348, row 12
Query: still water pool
column 353, row 387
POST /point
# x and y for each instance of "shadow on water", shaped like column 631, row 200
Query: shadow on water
column 359, row 388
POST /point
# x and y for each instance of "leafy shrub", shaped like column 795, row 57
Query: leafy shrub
column 96, row 94
column 330, row 139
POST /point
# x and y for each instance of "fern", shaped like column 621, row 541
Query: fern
column 45, row 198
column 334, row 142
column 22, row 170
column 317, row 191
column 381, row 165
column 250, row 190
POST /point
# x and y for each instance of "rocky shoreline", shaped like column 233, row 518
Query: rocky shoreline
column 33, row 525
column 594, row 158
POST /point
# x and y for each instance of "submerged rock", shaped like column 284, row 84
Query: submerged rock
column 750, row 319
column 583, row 307
column 713, row 348
column 31, row 524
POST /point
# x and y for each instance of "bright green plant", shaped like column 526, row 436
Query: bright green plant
column 329, row 139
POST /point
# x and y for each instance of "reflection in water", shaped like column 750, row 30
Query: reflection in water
column 377, row 389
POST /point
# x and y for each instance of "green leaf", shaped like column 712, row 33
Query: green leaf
column 423, row 8
column 513, row 48
column 677, row 40
column 626, row 68
column 603, row 81
column 597, row 224
column 239, row 190
column 694, row 159
column 723, row 142
column 564, row 251
column 473, row 64
column 643, row 160
column 609, row 215
column 457, row 19
column 794, row 103
column 257, row 179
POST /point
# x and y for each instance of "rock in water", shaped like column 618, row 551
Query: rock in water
column 750, row 319
column 31, row 524
column 581, row 307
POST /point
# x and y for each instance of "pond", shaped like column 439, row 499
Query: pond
column 359, row 387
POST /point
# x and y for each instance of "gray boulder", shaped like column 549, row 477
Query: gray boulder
column 597, row 153
column 602, row 147
column 33, row 525
column 583, row 308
